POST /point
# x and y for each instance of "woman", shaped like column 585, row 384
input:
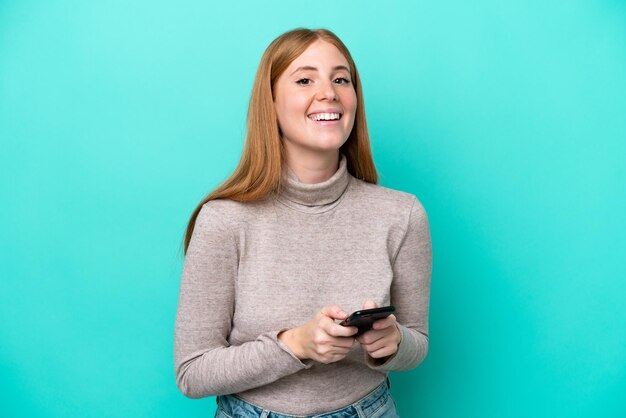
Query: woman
column 297, row 238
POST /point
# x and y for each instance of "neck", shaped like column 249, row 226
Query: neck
column 311, row 168
column 317, row 197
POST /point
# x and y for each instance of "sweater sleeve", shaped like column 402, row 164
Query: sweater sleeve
column 205, row 363
column 410, row 293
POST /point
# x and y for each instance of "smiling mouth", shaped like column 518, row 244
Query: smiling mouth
column 325, row 117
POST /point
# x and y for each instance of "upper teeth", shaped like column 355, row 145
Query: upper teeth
column 325, row 116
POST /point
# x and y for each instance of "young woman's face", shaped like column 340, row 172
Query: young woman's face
column 321, row 90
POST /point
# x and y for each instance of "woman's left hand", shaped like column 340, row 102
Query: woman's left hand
column 384, row 337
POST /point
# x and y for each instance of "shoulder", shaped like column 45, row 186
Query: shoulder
column 218, row 214
column 230, row 213
column 223, row 208
column 391, row 201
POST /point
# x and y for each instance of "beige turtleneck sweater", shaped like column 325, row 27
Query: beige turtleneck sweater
column 254, row 269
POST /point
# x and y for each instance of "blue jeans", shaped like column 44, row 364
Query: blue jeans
column 377, row 404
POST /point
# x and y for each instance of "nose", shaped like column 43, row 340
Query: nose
column 327, row 91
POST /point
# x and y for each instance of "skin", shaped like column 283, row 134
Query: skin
column 323, row 340
column 312, row 152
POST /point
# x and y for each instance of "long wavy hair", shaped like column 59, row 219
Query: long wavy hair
column 260, row 168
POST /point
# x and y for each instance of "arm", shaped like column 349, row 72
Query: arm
column 410, row 293
column 205, row 363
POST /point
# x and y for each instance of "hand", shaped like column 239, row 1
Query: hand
column 321, row 338
column 383, row 339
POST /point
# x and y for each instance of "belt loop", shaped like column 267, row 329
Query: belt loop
column 388, row 383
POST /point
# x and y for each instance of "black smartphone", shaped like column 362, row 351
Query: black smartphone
column 364, row 318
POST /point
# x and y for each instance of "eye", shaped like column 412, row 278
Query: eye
column 303, row 79
column 345, row 80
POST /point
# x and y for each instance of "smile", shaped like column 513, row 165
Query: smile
column 325, row 116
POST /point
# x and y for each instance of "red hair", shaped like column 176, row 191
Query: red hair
column 260, row 168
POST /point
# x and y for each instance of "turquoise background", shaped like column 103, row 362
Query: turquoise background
column 506, row 119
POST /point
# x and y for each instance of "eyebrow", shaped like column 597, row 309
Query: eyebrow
column 308, row 67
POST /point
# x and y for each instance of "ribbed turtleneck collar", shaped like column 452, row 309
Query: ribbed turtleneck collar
column 315, row 197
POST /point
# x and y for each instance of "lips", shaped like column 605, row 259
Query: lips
column 312, row 116
column 335, row 122
column 329, row 110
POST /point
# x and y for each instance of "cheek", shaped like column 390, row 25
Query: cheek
column 299, row 105
column 293, row 107
column 350, row 102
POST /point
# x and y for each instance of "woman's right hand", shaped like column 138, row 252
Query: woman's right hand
column 321, row 338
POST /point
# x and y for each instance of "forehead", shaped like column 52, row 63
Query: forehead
column 320, row 54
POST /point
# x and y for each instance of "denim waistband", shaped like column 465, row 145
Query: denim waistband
column 234, row 406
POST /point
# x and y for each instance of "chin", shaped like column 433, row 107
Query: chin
column 326, row 147
column 330, row 144
column 323, row 146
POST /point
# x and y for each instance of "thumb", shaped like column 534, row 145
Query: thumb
column 334, row 312
column 370, row 304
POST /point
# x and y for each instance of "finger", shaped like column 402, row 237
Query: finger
column 335, row 330
column 331, row 358
column 372, row 336
column 386, row 341
column 371, row 348
column 383, row 352
column 341, row 350
column 335, row 347
column 343, row 343
column 334, row 312
column 370, row 304
column 328, row 349
column 385, row 322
